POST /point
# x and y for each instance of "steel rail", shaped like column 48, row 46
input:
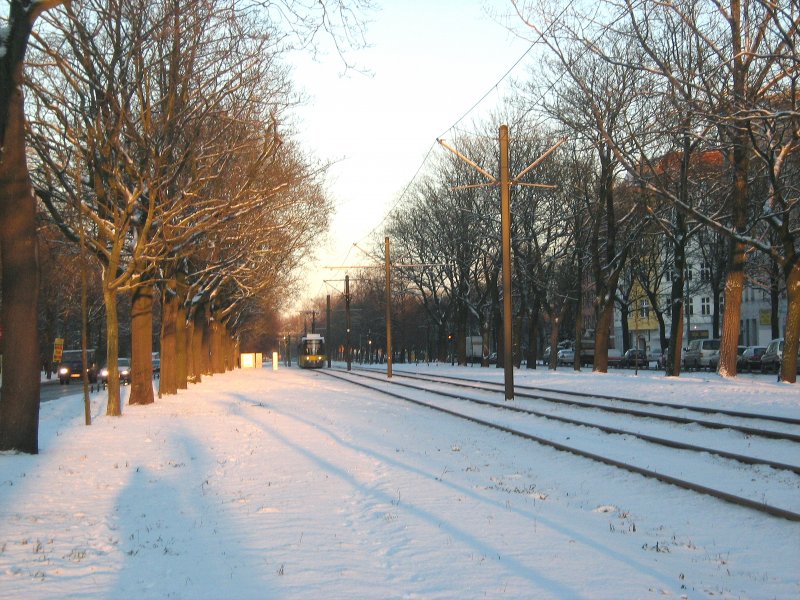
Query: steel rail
column 750, row 460
column 700, row 409
column 687, row 485
column 765, row 433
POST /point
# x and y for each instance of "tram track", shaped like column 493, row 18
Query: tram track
column 372, row 380
column 751, row 460
column 574, row 399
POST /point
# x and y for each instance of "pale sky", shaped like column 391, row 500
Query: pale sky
column 431, row 62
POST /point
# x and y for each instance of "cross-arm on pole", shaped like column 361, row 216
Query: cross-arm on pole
column 535, row 163
column 480, row 170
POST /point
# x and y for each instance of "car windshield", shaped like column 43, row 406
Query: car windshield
column 123, row 362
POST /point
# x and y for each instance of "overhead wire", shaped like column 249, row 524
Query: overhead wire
column 452, row 127
column 402, row 195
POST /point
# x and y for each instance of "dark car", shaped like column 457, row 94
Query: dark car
column 713, row 360
column 71, row 366
column 123, row 368
column 635, row 357
column 750, row 359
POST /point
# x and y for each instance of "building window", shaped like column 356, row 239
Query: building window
column 705, row 271
column 705, row 305
column 644, row 309
column 690, row 306
column 688, row 272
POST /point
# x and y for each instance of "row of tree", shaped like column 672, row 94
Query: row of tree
column 158, row 145
column 683, row 133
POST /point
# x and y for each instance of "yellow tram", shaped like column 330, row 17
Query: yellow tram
column 311, row 351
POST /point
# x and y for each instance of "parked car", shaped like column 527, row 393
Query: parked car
column 772, row 359
column 123, row 368
column 713, row 360
column 71, row 365
column 614, row 357
column 750, row 360
column 773, row 355
column 562, row 345
column 635, row 357
column 699, row 351
column 566, row 356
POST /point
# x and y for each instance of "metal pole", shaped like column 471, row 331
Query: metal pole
column 505, row 224
column 347, row 320
column 328, row 328
column 388, row 312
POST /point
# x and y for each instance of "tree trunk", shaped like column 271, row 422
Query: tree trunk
column 114, row 408
column 205, row 341
column 774, row 301
column 198, row 333
column 192, row 371
column 216, row 347
column 624, row 313
column 792, row 338
column 19, row 403
column 677, row 310
column 182, row 346
column 230, row 352
column 734, row 285
column 675, row 350
column 167, row 382
column 142, row 346
column 604, row 323
column 733, row 306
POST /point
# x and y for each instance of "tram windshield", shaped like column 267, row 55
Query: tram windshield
column 313, row 347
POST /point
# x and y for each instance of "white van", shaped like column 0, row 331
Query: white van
column 699, row 351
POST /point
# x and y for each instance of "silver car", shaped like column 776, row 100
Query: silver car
column 566, row 356
column 699, row 352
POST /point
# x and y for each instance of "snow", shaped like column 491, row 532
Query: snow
column 290, row 484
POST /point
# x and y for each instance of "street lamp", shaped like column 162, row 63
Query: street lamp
column 452, row 353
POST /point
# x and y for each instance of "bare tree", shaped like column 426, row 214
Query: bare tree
column 19, row 403
column 595, row 101
column 162, row 106
column 731, row 65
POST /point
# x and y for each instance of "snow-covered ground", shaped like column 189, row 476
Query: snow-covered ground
column 290, row 484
